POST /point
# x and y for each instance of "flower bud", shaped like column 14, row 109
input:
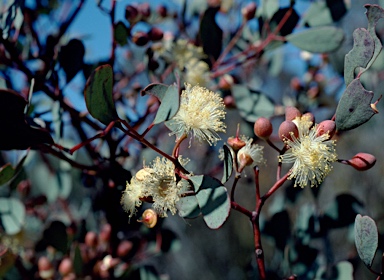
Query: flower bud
column 287, row 129
column 310, row 117
column 144, row 10
column 149, row 218
column 296, row 84
column 66, row 266
column 162, row 10
column 124, row 248
column 291, row 113
column 263, row 128
column 249, row 11
column 140, row 38
column 105, row 233
column 91, row 239
column 235, row 143
column 229, row 102
column 226, row 81
column 326, row 126
column 131, row 13
column 45, row 267
column 362, row 161
column 155, row 34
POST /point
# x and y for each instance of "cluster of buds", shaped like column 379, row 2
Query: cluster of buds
column 141, row 38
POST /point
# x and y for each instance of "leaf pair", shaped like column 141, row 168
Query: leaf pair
column 355, row 106
column 211, row 200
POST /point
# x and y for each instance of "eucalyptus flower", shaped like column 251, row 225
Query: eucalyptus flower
column 200, row 114
column 312, row 154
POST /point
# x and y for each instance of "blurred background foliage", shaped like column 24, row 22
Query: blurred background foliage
column 54, row 209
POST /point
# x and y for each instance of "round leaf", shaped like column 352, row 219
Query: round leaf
column 317, row 39
column 98, row 95
column 12, row 215
column 252, row 104
column 354, row 107
column 366, row 238
column 121, row 33
column 157, row 90
column 188, row 207
column 169, row 105
column 360, row 55
column 213, row 200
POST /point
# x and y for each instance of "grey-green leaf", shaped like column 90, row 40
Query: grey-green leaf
column 354, row 107
column 12, row 215
column 252, row 104
column 98, row 95
column 228, row 164
column 157, row 90
column 169, row 105
column 366, row 238
column 318, row 39
column 188, row 207
column 213, row 200
column 374, row 14
column 360, row 55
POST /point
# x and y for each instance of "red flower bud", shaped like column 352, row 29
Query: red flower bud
column 263, row 128
column 155, row 34
column 326, row 126
column 140, row 38
column 162, row 11
column 249, row 11
column 287, row 129
column 362, row 161
column 124, row 248
column 131, row 13
column 235, row 143
column 66, row 266
column 45, row 267
column 291, row 113
column 91, row 239
column 144, row 9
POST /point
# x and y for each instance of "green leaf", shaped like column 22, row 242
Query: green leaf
column 374, row 14
column 77, row 262
column 228, row 164
column 148, row 273
column 157, row 90
column 318, row 39
column 98, row 95
column 188, row 207
column 12, row 215
column 252, row 104
column 121, row 33
column 318, row 14
column 56, row 236
column 354, row 107
column 360, row 55
column 8, row 172
column 213, row 200
column 366, row 238
column 344, row 271
column 169, row 105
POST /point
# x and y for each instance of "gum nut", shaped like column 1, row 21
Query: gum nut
column 291, row 113
column 310, row 116
column 263, row 128
column 249, row 11
column 326, row 126
column 235, row 143
column 287, row 129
